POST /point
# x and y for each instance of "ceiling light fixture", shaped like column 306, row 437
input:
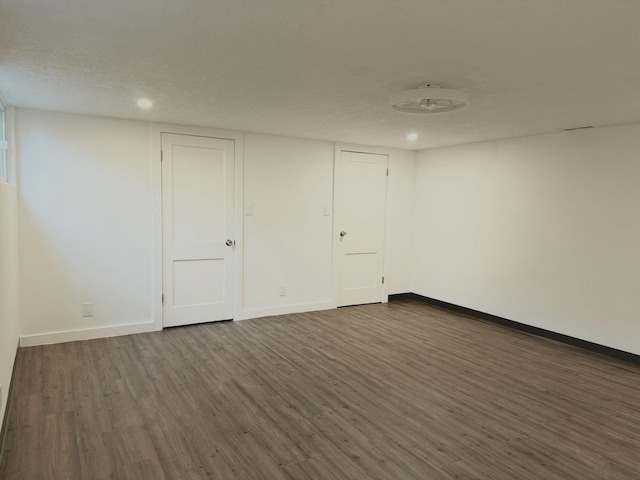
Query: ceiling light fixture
column 145, row 103
column 412, row 136
column 428, row 99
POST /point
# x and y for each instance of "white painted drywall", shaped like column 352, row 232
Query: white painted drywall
column 86, row 198
column 85, row 213
column 288, row 184
column 542, row 230
column 9, row 275
column 399, row 221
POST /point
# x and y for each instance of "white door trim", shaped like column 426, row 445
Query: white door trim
column 157, row 129
column 346, row 147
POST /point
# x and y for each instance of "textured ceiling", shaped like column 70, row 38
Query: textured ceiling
column 325, row 68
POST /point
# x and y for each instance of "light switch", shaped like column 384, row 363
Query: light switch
column 248, row 209
column 327, row 211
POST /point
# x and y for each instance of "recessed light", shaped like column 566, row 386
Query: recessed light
column 412, row 136
column 145, row 103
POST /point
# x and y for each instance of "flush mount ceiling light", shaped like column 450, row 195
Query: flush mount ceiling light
column 428, row 99
column 145, row 103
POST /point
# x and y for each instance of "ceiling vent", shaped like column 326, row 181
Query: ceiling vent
column 428, row 99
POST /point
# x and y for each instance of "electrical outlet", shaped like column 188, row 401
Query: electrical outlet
column 87, row 309
column 282, row 291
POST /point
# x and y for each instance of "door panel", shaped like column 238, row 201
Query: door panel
column 198, row 216
column 361, row 202
column 198, row 194
column 198, row 282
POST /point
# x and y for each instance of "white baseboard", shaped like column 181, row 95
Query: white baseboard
column 284, row 310
column 86, row 334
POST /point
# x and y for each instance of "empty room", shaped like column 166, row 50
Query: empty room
column 319, row 239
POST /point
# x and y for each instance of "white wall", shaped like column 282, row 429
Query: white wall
column 85, row 212
column 86, row 209
column 9, row 276
column 399, row 222
column 542, row 230
column 287, row 240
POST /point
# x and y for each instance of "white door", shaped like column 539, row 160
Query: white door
column 361, row 188
column 198, row 225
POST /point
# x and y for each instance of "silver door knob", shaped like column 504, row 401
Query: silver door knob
column 230, row 243
column 343, row 233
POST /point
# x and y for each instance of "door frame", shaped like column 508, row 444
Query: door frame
column 157, row 129
column 337, row 167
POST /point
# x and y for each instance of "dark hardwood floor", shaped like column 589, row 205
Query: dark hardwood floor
column 389, row 392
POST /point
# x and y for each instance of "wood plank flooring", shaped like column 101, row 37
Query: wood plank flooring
column 388, row 392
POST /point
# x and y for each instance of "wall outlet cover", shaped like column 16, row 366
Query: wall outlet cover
column 87, row 309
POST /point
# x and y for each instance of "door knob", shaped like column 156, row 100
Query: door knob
column 230, row 243
column 343, row 233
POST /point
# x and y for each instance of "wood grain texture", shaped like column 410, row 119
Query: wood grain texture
column 396, row 391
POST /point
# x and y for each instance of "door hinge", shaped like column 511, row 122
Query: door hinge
column 387, row 172
column 161, row 155
column 383, row 280
column 163, row 298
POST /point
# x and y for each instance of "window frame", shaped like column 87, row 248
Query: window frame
column 4, row 160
